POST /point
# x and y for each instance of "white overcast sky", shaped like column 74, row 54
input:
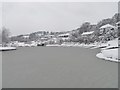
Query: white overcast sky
column 27, row 17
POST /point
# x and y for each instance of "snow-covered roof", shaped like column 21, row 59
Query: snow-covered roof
column 106, row 26
column 26, row 36
column 118, row 22
column 67, row 34
column 87, row 33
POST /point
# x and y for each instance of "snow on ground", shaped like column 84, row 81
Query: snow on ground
column 71, row 44
column 110, row 55
column 7, row 48
column 110, row 52
column 112, row 44
column 53, row 45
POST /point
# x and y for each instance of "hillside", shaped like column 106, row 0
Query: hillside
column 103, row 31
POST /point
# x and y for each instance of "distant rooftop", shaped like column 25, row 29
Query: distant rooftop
column 87, row 33
column 118, row 22
column 106, row 26
column 26, row 36
column 67, row 34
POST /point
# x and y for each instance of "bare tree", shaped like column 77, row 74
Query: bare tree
column 5, row 35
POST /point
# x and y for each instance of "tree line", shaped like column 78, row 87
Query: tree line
column 76, row 35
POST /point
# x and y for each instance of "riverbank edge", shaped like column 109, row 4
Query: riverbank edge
column 98, row 55
column 101, row 56
column 90, row 46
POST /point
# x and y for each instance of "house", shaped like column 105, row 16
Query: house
column 109, row 32
column 64, row 36
column 106, row 28
column 87, row 37
column 118, row 27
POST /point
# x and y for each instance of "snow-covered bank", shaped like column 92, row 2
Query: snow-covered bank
column 110, row 52
column 109, row 55
column 7, row 48
column 73, row 45
column 111, row 44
